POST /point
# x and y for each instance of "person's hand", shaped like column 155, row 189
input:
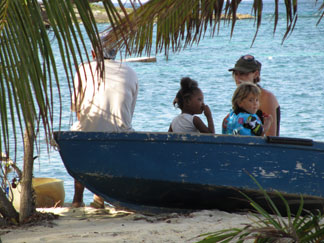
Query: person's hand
column 199, row 123
column 207, row 111
column 268, row 119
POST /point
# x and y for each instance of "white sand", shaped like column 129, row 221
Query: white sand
column 107, row 225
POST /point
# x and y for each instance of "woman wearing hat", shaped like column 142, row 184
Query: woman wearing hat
column 247, row 69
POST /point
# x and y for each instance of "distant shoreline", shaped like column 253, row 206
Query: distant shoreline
column 100, row 15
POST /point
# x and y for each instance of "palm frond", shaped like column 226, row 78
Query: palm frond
column 182, row 23
column 266, row 228
column 28, row 73
column 321, row 8
column 30, row 85
column 3, row 12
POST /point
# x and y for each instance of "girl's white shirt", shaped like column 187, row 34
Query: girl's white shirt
column 184, row 123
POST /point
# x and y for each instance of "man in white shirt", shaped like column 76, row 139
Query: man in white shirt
column 103, row 104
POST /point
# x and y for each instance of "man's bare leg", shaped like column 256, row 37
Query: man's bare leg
column 78, row 195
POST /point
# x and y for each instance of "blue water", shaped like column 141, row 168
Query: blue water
column 293, row 71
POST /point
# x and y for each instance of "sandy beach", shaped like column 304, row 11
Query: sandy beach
column 108, row 225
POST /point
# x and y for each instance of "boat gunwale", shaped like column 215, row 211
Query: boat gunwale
column 171, row 137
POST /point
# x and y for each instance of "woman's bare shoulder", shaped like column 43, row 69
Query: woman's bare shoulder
column 269, row 96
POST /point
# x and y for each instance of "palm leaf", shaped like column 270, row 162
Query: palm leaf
column 3, row 12
column 266, row 228
column 322, row 14
column 227, row 235
column 28, row 65
column 29, row 80
column 182, row 23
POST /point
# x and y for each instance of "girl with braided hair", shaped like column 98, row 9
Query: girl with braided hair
column 190, row 100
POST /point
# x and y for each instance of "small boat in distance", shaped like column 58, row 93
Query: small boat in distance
column 141, row 59
column 156, row 171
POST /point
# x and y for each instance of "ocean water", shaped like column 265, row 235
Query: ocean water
column 292, row 70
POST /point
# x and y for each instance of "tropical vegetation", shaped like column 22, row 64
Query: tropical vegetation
column 303, row 226
column 29, row 75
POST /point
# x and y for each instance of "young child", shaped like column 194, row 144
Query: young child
column 242, row 120
column 190, row 100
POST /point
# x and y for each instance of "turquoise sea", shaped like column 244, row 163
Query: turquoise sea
column 293, row 71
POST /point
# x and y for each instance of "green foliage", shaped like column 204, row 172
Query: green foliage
column 182, row 23
column 268, row 228
column 28, row 72
column 29, row 79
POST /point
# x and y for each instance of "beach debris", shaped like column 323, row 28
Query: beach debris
column 156, row 218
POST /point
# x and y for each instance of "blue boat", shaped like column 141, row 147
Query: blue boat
column 151, row 172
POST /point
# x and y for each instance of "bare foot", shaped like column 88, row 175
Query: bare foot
column 98, row 202
column 97, row 205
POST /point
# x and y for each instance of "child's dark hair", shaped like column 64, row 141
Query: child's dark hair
column 188, row 88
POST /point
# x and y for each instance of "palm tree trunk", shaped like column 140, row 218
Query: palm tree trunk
column 27, row 204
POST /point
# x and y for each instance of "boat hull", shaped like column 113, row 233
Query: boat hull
column 144, row 171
